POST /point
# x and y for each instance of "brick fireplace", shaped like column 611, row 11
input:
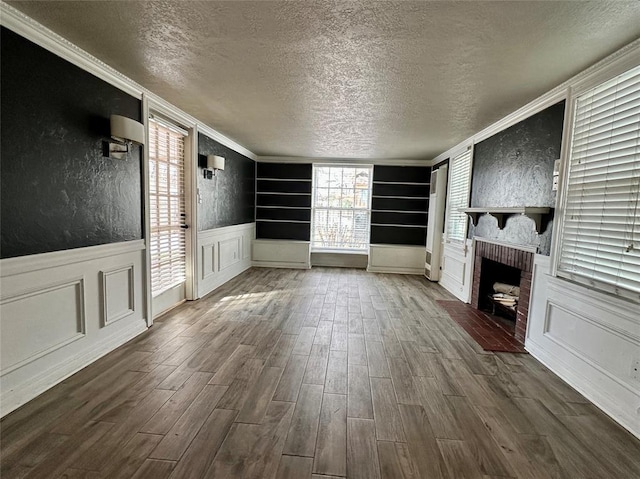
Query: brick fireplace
column 511, row 256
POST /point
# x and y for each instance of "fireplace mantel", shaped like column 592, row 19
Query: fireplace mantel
column 501, row 214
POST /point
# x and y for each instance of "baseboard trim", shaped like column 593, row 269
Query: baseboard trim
column 279, row 264
column 14, row 398
column 383, row 269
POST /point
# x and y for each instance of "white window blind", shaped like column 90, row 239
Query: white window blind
column 167, row 207
column 600, row 241
column 459, row 185
column 341, row 207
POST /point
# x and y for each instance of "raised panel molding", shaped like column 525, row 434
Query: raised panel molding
column 222, row 255
column 269, row 253
column 229, row 252
column 457, row 269
column 208, row 260
column 29, row 331
column 55, row 307
column 396, row 259
column 118, row 295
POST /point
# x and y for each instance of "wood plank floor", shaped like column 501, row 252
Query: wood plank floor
column 314, row 374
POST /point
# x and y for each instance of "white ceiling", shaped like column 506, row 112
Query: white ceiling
column 366, row 79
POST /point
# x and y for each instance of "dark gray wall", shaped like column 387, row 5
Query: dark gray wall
column 229, row 197
column 515, row 168
column 58, row 192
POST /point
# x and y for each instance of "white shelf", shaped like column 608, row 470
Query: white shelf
column 501, row 214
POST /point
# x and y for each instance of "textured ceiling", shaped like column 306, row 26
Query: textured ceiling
column 367, row 79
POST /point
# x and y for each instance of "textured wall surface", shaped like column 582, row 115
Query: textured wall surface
column 58, row 192
column 515, row 168
column 229, row 197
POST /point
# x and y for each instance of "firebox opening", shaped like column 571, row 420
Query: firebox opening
column 496, row 295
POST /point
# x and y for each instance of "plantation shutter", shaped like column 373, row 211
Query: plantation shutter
column 459, row 184
column 600, row 242
column 167, row 206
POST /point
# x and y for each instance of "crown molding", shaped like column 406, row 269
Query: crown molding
column 226, row 141
column 351, row 161
column 28, row 28
column 625, row 58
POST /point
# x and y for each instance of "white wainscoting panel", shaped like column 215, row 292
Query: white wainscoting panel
column 23, row 316
column 589, row 339
column 269, row 253
column 229, row 252
column 118, row 294
column 207, row 260
column 63, row 310
column 457, row 269
column 223, row 253
column 396, row 259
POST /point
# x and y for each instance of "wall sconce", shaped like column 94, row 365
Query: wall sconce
column 124, row 132
column 214, row 163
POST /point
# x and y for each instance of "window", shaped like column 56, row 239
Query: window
column 600, row 240
column 459, row 183
column 167, row 207
column 341, row 207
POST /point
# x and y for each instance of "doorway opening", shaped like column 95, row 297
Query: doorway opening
column 168, row 226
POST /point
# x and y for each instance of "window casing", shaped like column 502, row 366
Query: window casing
column 341, row 207
column 458, row 196
column 600, row 240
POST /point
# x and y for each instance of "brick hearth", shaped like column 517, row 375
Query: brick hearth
column 510, row 256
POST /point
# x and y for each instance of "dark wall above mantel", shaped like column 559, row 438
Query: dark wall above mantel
column 514, row 168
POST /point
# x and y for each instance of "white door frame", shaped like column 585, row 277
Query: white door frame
column 149, row 105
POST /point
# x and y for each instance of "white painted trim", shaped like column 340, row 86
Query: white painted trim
column 106, row 320
column 35, row 262
column 80, row 333
column 146, row 213
column 623, row 56
column 223, row 230
column 193, row 212
column 464, row 254
column 395, row 270
column 613, row 306
column 27, row 27
column 226, row 141
column 222, row 269
column 283, row 249
column 576, row 354
column 280, row 264
column 51, row 41
column 399, row 259
column 12, row 399
column 345, row 161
